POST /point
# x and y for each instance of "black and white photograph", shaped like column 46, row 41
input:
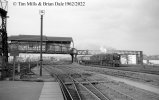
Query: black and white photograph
column 79, row 50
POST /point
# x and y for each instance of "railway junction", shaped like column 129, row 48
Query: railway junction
column 78, row 82
column 69, row 80
column 84, row 75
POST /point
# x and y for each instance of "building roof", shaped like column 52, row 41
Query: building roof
column 37, row 38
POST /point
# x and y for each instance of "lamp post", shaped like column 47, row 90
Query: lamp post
column 42, row 12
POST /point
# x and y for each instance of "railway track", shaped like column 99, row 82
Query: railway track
column 69, row 92
column 80, row 88
column 92, row 90
column 72, row 88
column 86, row 89
column 75, row 90
column 118, row 92
column 92, row 87
column 151, row 79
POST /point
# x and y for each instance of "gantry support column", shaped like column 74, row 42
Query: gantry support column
column 141, row 58
column 72, row 58
column 137, row 59
column 4, row 44
column 73, row 54
column 127, row 59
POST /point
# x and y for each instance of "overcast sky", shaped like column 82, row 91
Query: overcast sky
column 119, row 24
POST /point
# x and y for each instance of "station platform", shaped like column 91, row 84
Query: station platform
column 47, row 89
column 51, row 91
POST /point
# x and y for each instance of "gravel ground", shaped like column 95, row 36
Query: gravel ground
column 142, row 77
column 134, row 92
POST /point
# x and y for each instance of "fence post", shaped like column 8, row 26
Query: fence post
column 14, row 60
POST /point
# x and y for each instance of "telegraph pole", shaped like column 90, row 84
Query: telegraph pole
column 42, row 12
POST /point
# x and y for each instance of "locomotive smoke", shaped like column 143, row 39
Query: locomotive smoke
column 103, row 50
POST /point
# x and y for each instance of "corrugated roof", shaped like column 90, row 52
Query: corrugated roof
column 37, row 38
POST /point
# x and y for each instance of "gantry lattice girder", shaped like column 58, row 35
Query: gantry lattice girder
column 3, row 33
column 3, row 37
column 121, row 52
column 88, row 52
column 126, row 52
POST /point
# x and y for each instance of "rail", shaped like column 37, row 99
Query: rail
column 65, row 92
column 106, row 97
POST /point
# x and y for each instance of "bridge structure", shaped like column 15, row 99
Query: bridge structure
column 60, row 45
column 55, row 45
column 31, row 44
column 126, row 53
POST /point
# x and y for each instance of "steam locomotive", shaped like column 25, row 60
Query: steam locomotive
column 112, row 60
